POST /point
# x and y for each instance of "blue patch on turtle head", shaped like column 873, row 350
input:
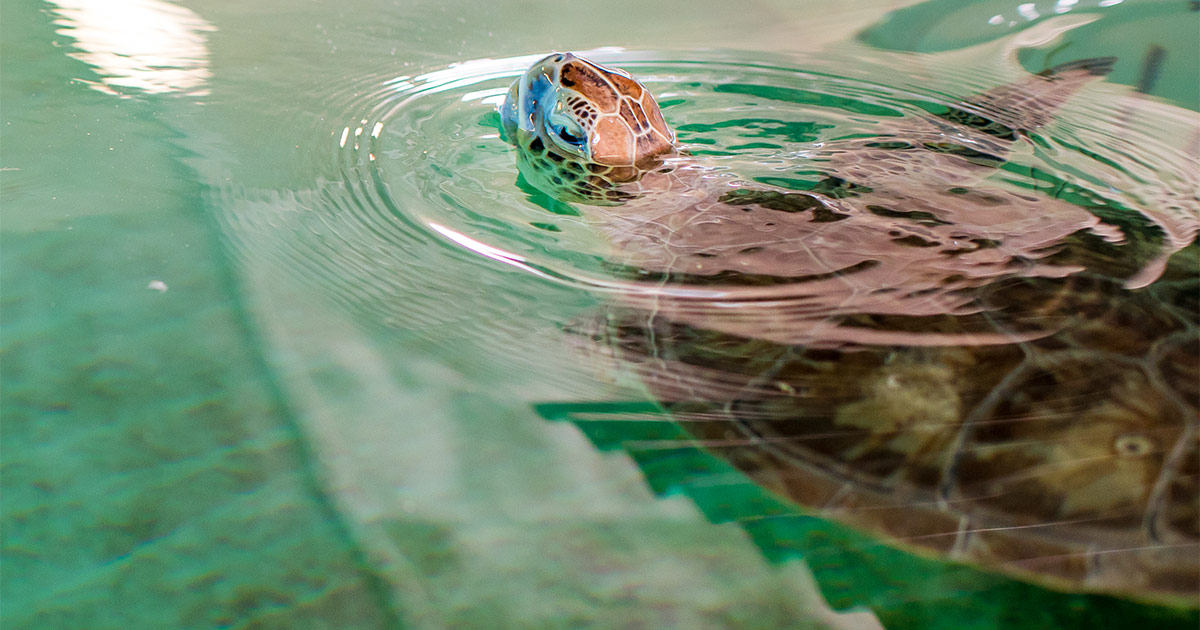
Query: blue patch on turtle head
column 534, row 107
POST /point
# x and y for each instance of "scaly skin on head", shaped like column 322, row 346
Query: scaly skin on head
column 581, row 128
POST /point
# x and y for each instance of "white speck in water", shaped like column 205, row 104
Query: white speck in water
column 1062, row 6
column 157, row 285
column 1109, row 3
column 1028, row 11
column 996, row 20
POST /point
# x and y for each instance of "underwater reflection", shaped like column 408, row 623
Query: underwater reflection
column 143, row 45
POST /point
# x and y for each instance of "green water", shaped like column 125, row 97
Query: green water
column 246, row 382
column 1160, row 34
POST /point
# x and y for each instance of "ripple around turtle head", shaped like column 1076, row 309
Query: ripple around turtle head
column 421, row 220
column 425, row 175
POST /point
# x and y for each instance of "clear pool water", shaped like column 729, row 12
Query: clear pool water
column 286, row 343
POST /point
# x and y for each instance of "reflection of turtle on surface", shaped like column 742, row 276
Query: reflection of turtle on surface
column 1001, row 376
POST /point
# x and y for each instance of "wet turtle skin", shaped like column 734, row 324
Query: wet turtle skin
column 1027, row 403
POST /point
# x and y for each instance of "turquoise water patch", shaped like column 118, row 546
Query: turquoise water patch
column 1156, row 42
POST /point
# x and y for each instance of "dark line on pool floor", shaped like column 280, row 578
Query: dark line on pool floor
column 310, row 478
column 1151, row 66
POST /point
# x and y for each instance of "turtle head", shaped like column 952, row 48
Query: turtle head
column 579, row 128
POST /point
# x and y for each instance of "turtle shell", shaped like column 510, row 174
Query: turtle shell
column 1067, row 455
column 912, row 347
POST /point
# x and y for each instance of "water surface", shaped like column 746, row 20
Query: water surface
column 283, row 328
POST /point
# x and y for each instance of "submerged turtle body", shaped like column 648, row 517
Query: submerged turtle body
column 910, row 348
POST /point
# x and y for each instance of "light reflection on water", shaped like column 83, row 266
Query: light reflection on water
column 147, row 46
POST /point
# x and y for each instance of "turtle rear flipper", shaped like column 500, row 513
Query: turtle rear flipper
column 1030, row 103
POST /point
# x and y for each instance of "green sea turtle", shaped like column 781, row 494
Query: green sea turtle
column 952, row 363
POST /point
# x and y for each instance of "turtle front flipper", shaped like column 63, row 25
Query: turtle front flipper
column 1028, row 104
column 956, row 145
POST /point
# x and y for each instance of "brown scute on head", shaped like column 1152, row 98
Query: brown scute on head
column 612, row 143
column 582, row 78
column 632, row 137
column 626, row 86
column 635, row 118
column 649, row 147
column 655, row 116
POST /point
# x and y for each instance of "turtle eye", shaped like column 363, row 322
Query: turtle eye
column 567, row 133
column 569, row 136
